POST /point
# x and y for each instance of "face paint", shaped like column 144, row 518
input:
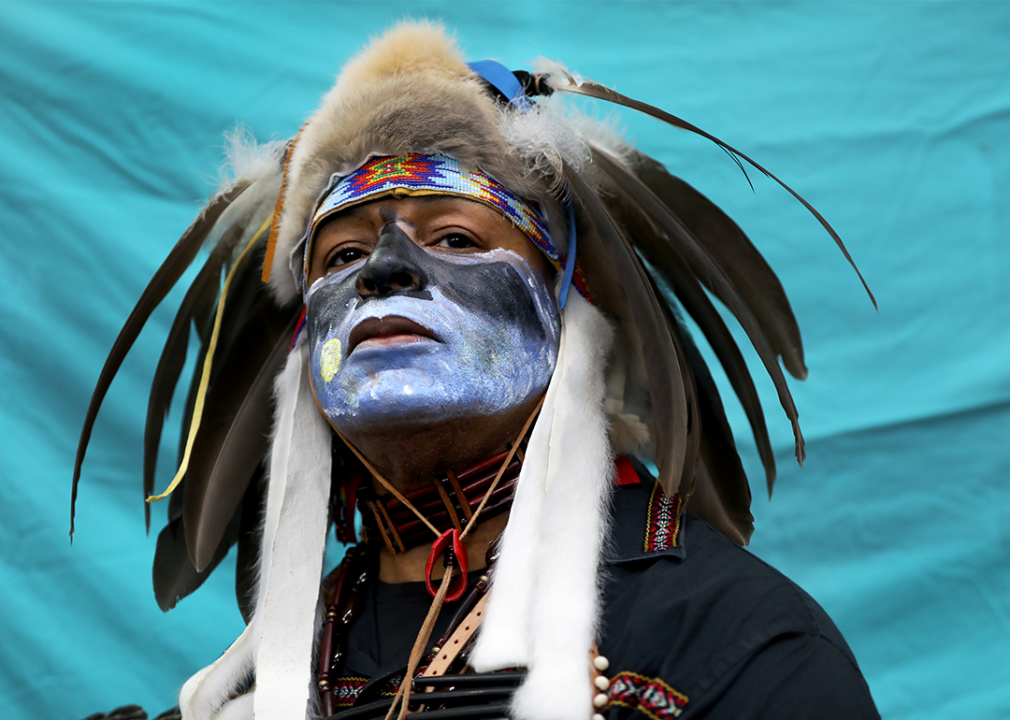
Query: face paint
column 413, row 336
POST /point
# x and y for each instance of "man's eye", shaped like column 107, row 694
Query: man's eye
column 456, row 241
column 345, row 256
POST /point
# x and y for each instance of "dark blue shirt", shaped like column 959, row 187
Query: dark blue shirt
column 693, row 626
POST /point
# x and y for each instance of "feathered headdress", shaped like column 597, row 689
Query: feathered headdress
column 648, row 245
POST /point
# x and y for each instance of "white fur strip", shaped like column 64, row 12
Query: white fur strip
column 241, row 708
column 505, row 635
column 278, row 640
column 294, row 543
column 206, row 691
column 579, row 479
column 549, row 560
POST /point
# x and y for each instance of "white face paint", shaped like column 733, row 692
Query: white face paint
column 411, row 336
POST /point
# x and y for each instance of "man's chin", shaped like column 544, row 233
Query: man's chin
column 380, row 410
column 382, row 413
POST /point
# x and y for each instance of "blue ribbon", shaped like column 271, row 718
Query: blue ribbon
column 566, row 280
column 508, row 85
column 502, row 79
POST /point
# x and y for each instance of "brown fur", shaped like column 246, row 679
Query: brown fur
column 409, row 92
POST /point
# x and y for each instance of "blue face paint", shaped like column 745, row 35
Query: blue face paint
column 416, row 337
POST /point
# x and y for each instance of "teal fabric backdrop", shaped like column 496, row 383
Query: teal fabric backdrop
column 893, row 119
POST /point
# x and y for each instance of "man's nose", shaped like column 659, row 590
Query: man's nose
column 393, row 266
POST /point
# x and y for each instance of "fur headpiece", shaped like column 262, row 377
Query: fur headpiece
column 647, row 243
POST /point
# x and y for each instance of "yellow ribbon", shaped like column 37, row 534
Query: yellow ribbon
column 208, row 361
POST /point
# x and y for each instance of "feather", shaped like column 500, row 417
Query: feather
column 736, row 255
column 247, row 555
column 205, row 370
column 232, row 439
column 693, row 430
column 685, row 244
column 173, row 574
column 672, row 269
column 566, row 83
column 203, row 326
column 716, row 486
column 716, row 489
column 250, row 327
column 163, row 281
column 611, row 266
column 233, row 229
column 175, row 502
column 197, row 307
column 720, row 474
column 197, row 303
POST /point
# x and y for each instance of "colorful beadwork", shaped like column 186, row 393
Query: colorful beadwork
column 347, row 689
column 664, row 520
column 433, row 175
column 650, row 696
column 579, row 281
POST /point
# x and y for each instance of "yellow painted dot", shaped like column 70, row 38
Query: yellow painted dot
column 329, row 361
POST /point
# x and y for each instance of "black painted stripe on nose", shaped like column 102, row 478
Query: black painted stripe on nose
column 394, row 266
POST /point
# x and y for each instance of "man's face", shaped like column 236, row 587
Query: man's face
column 426, row 309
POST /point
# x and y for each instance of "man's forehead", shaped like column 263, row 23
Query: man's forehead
column 392, row 208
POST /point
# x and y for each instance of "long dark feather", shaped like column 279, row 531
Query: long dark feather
column 197, row 303
column 163, row 281
column 727, row 506
column 719, row 463
column 600, row 92
column 620, row 266
column 694, row 439
column 173, row 574
column 203, row 320
column 197, row 308
column 175, row 500
column 674, row 272
column 703, row 265
column 740, row 260
column 248, row 553
column 234, row 431
column 246, row 298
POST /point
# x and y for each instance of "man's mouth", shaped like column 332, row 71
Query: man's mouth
column 389, row 330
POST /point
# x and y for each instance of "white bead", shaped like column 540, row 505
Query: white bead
column 597, row 716
column 601, row 663
column 600, row 700
column 602, row 683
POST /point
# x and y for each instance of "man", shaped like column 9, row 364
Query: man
column 463, row 340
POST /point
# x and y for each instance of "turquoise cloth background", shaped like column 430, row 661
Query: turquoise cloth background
column 892, row 119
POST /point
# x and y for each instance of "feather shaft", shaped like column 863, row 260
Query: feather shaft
column 600, row 92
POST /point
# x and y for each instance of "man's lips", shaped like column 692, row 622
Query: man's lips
column 392, row 328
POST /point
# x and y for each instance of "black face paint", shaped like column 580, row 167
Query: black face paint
column 412, row 334
column 394, row 266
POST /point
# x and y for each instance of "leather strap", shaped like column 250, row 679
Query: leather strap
column 447, row 655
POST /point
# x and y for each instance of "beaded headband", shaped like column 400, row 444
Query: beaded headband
column 414, row 175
